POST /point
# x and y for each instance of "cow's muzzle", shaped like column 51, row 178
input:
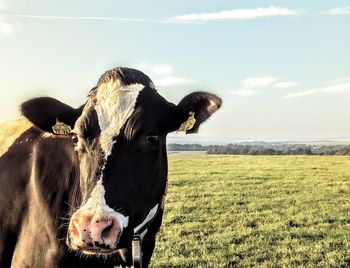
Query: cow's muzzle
column 94, row 233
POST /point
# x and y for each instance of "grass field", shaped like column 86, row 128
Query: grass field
column 245, row 211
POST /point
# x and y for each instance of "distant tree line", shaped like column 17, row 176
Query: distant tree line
column 186, row 147
column 282, row 149
column 263, row 148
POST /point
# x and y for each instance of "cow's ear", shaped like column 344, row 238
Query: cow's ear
column 44, row 112
column 197, row 105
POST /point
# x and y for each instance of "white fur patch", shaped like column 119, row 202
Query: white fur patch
column 47, row 135
column 212, row 107
column 115, row 104
column 97, row 204
column 149, row 217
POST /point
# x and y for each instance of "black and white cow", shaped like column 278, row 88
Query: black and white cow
column 90, row 197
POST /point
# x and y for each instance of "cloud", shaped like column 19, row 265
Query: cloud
column 236, row 14
column 244, row 92
column 339, row 88
column 172, row 81
column 165, row 75
column 338, row 81
column 7, row 28
column 194, row 18
column 258, row 82
column 284, row 84
column 156, row 69
column 339, row 11
column 251, row 86
column 162, row 70
column 117, row 19
column 301, row 94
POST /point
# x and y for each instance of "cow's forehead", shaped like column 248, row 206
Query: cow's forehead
column 115, row 103
column 112, row 102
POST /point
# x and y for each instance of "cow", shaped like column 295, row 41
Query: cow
column 84, row 187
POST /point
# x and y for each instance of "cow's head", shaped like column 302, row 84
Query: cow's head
column 119, row 137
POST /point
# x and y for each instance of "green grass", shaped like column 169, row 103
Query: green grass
column 246, row 211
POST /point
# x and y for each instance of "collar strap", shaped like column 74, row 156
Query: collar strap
column 136, row 252
column 139, row 233
column 141, row 230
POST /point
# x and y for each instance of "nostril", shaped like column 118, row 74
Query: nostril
column 106, row 231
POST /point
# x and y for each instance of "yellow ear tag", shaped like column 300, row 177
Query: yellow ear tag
column 188, row 125
column 61, row 128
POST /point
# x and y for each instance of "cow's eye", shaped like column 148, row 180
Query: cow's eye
column 152, row 139
column 74, row 137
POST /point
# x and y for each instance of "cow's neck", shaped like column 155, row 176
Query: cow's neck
column 39, row 232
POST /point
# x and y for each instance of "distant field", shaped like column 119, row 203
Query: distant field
column 246, row 211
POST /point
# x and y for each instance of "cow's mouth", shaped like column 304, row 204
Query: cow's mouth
column 93, row 247
column 97, row 251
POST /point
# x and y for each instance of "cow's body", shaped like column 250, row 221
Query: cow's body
column 95, row 188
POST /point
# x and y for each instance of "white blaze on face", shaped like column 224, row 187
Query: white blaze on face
column 115, row 104
column 96, row 204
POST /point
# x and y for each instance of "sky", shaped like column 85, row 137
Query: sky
column 282, row 68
